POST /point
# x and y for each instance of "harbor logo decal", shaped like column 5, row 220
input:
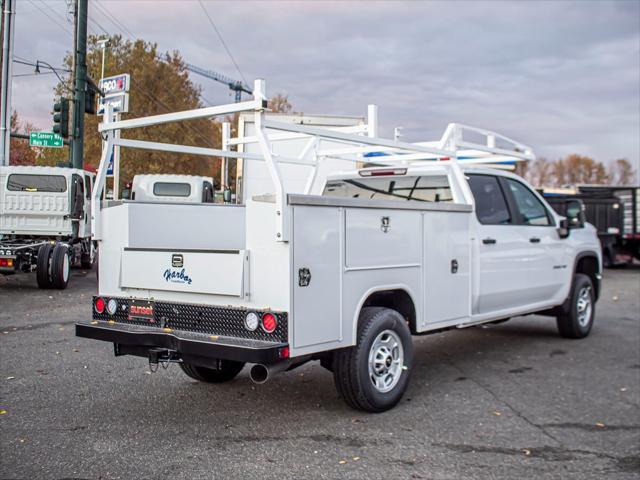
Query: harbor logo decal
column 177, row 275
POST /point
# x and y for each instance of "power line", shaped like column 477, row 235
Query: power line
column 112, row 18
column 128, row 33
column 51, row 18
column 183, row 125
column 38, row 63
column 97, row 24
column 31, row 74
column 222, row 41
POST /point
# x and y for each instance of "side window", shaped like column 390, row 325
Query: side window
column 87, row 186
column 530, row 207
column 491, row 206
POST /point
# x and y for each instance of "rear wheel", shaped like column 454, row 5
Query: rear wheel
column 60, row 267
column 577, row 323
column 43, row 266
column 374, row 374
column 228, row 371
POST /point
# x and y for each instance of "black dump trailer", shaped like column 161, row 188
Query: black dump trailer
column 614, row 211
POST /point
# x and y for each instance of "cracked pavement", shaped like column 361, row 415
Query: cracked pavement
column 507, row 401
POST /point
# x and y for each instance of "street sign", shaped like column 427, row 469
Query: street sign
column 116, row 84
column 110, row 166
column 45, row 139
column 120, row 102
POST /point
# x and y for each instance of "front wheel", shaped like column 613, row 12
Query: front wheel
column 577, row 323
column 227, row 371
column 374, row 374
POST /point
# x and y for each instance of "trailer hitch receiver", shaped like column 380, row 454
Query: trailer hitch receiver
column 162, row 356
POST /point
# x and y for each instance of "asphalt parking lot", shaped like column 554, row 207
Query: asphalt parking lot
column 506, row 401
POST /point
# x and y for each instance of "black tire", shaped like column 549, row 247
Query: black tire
column 60, row 267
column 351, row 372
column 43, row 275
column 577, row 323
column 228, row 371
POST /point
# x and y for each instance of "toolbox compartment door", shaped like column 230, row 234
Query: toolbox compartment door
column 216, row 272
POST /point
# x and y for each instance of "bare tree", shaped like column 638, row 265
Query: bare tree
column 280, row 104
column 621, row 172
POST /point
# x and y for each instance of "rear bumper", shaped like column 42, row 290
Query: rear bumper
column 197, row 348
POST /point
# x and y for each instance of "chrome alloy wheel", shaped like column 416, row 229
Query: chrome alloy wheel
column 386, row 361
column 584, row 305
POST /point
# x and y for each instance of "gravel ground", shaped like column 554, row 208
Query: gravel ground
column 506, row 401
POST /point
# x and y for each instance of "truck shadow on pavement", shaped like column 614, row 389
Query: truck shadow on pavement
column 440, row 362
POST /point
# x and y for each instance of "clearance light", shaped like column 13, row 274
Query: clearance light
column 99, row 305
column 251, row 321
column 269, row 322
column 283, row 353
column 382, row 172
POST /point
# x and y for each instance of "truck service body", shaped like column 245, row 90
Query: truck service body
column 346, row 275
column 45, row 222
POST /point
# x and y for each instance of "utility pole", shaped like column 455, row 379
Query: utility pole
column 8, row 16
column 80, row 73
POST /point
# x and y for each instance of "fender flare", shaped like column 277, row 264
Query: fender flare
column 377, row 289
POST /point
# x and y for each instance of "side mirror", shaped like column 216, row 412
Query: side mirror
column 226, row 195
column 563, row 228
column 575, row 213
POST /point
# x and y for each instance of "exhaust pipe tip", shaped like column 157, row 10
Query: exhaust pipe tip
column 259, row 374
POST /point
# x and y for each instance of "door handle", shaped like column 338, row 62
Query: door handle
column 488, row 241
column 534, row 240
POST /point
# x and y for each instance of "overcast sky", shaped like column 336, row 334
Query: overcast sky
column 563, row 77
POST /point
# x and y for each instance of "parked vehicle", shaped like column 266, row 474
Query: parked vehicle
column 172, row 188
column 45, row 222
column 613, row 210
column 417, row 245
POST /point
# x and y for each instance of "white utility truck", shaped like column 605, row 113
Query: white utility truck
column 172, row 188
column 45, row 222
column 343, row 268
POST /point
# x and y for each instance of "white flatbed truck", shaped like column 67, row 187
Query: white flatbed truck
column 343, row 272
column 45, row 222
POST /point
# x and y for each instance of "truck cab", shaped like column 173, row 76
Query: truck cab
column 172, row 189
column 41, row 209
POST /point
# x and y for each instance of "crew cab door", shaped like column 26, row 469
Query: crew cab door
column 499, row 281
column 547, row 266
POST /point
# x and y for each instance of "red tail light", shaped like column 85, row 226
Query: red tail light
column 99, row 305
column 6, row 262
column 269, row 322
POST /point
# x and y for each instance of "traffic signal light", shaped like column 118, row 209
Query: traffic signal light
column 61, row 118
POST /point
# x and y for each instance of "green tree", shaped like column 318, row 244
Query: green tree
column 159, row 84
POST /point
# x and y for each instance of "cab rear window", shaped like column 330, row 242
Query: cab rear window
column 19, row 182
column 171, row 189
column 426, row 188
